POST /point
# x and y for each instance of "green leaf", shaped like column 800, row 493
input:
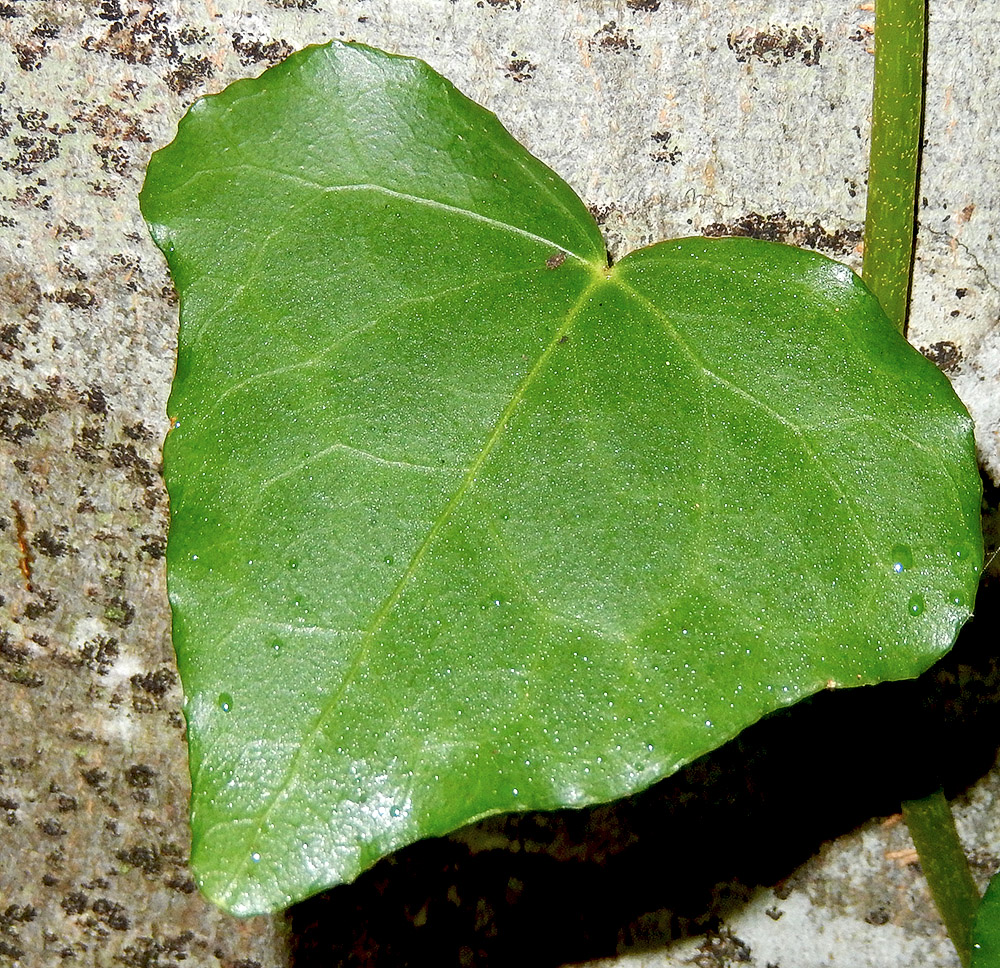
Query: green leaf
column 986, row 929
column 465, row 521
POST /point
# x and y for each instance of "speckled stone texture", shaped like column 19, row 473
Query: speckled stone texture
column 669, row 117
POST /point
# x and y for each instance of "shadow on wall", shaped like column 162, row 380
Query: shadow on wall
column 549, row 888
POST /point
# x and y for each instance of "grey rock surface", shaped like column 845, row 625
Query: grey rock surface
column 861, row 902
column 669, row 117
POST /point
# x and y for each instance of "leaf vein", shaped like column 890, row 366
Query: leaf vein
column 281, row 790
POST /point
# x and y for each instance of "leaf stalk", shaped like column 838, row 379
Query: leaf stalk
column 894, row 159
column 945, row 866
column 887, row 269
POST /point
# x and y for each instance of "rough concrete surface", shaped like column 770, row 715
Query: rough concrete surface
column 669, row 117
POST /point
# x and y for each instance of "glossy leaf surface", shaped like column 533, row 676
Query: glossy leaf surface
column 464, row 521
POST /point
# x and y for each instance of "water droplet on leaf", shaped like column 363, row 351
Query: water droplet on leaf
column 902, row 558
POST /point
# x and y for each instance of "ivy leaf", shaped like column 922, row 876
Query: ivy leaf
column 465, row 520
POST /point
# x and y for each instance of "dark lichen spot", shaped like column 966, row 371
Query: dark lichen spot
column 32, row 153
column 103, row 189
column 143, row 856
column 181, row 884
column 508, row 4
column 155, row 683
column 110, row 913
column 77, row 298
column 188, row 36
column 149, row 953
column 11, row 950
column 142, row 471
column 29, row 56
column 645, row 6
column 602, row 213
column 45, row 28
column 257, row 52
column 611, row 40
column 99, row 654
column 190, row 72
column 111, row 10
column 119, row 612
column 44, row 604
column 88, row 444
column 10, row 340
column 76, row 902
column 777, row 45
column 22, row 298
column 723, row 948
column 138, row 431
column 22, row 677
column 519, row 68
column 17, row 914
column 11, row 652
column 944, row 354
column 664, row 153
column 115, row 159
column 95, row 777
column 155, row 546
column 82, row 453
column 878, row 916
column 34, row 120
column 140, row 775
column 50, row 546
column 51, row 827
column 133, row 37
column 778, row 227
column 95, row 400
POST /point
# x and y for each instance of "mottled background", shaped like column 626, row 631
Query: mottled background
column 669, row 117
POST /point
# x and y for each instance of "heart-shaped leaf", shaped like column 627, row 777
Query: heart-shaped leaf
column 465, row 521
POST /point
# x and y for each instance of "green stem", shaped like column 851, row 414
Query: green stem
column 943, row 860
column 890, row 230
column 897, row 110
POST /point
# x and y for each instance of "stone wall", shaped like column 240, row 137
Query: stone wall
column 669, row 117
